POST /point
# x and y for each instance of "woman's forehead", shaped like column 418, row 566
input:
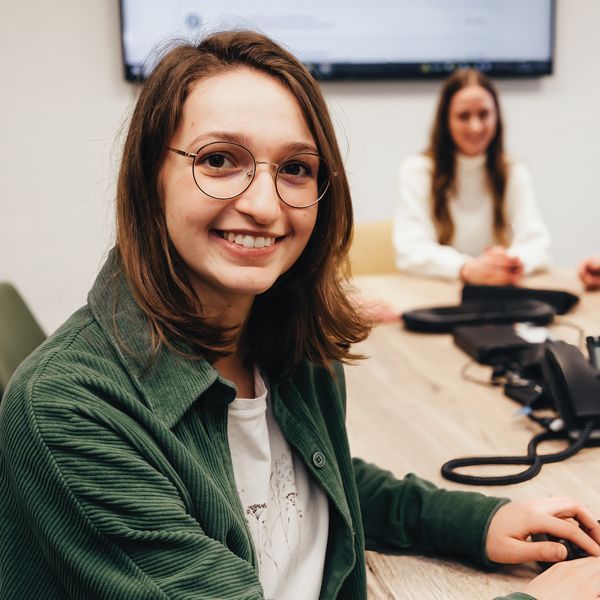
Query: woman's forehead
column 472, row 95
column 249, row 104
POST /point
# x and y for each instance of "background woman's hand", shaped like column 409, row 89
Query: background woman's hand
column 508, row 533
column 493, row 267
column 375, row 310
column 589, row 272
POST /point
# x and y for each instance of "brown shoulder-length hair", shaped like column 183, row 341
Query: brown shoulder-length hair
column 443, row 153
column 306, row 313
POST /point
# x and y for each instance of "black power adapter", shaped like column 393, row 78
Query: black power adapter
column 490, row 344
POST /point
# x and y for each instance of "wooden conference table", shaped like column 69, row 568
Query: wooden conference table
column 409, row 410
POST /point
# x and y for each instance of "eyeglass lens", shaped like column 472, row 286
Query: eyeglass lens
column 224, row 170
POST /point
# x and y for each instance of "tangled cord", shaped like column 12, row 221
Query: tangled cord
column 535, row 460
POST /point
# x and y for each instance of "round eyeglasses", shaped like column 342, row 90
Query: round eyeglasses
column 223, row 170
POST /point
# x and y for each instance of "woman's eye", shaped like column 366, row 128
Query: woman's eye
column 296, row 169
column 216, row 161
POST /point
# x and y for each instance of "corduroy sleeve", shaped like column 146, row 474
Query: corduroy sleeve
column 92, row 491
column 413, row 513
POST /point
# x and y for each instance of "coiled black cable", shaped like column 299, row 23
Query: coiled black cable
column 535, row 460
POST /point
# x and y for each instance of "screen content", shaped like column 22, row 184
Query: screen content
column 359, row 39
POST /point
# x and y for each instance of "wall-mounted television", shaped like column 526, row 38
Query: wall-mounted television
column 360, row 39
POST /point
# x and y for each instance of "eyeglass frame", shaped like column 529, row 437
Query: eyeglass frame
column 256, row 163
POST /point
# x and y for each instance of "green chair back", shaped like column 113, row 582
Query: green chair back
column 20, row 333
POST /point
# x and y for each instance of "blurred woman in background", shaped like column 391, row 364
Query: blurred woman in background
column 465, row 209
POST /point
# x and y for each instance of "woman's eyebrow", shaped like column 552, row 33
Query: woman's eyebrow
column 244, row 140
column 220, row 136
column 296, row 147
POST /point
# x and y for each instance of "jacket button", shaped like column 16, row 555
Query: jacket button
column 318, row 460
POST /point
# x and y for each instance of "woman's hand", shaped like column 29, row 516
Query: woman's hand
column 507, row 542
column 375, row 310
column 510, row 528
column 574, row 580
column 493, row 267
column 589, row 272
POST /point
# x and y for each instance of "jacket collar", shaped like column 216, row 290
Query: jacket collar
column 169, row 383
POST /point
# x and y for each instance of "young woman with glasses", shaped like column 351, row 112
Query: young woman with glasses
column 465, row 209
column 182, row 435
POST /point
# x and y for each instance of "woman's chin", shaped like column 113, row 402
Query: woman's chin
column 249, row 288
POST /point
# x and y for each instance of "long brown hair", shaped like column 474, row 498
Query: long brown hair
column 443, row 152
column 306, row 313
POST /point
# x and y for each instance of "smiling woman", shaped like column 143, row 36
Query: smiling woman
column 215, row 217
column 236, row 115
column 182, row 436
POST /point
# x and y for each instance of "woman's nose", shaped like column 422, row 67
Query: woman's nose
column 475, row 125
column 261, row 200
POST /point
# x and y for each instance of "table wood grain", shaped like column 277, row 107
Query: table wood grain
column 409, row 410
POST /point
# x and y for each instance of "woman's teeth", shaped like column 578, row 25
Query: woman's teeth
column 248, row 241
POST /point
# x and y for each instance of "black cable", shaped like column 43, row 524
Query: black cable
column 535, row 460
column 464, row 373
column 504, row 371
column 566, row 323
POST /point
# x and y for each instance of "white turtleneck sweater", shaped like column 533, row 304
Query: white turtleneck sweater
column 415, row 240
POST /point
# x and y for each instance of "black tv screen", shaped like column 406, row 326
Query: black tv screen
column 366, row 39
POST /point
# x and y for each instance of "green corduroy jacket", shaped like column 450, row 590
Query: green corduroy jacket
column 116, row 479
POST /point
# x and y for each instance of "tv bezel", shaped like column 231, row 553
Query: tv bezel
column 405, row 70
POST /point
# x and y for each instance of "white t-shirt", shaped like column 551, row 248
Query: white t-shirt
column 286, row 511
column 415, row 238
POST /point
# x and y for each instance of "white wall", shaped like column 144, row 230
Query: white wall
column 63, row 103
